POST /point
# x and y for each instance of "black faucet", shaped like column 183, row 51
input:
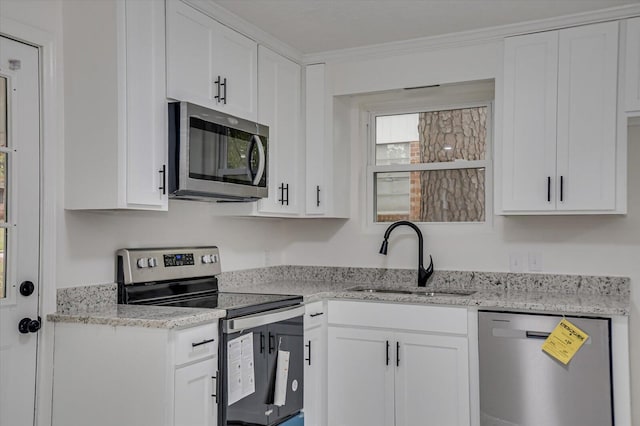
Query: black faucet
column 423, row 274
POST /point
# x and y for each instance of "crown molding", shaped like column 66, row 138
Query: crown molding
column 472, row 37
column 238, row 24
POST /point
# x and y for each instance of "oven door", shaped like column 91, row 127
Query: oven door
column 271, row 331
column 217, row 155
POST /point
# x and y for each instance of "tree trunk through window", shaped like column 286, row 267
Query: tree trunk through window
column 455, row 195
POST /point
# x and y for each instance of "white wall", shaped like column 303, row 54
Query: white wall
column 87, row 241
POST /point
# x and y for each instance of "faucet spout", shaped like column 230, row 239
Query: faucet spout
column 423, row 274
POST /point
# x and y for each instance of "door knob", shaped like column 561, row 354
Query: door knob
column 27, row 288
column 27, row 325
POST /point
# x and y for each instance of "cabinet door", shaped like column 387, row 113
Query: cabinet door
column 360, row 374
column 529, row 122
column 316, row 188
column 234, row 58
column 146, row 121
column 632, row 61
column 587, row 111
column 189, row 47
column 315, row 373
column 194, row 400
column 432, row 380
column 280, row 110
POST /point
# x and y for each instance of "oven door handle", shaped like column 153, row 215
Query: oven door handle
column 263, row 318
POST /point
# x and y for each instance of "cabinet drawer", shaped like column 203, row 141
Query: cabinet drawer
column 196, row 343
column 433, row 319
column 314, row 314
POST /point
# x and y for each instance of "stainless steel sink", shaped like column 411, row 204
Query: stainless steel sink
column 428, row 293
column 461, row 293
column 381, row 290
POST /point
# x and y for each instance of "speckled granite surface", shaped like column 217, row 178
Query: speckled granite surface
column 496, row 298
column 494, row 290
column 142, row 316
column 90, row 298
column 567, row 284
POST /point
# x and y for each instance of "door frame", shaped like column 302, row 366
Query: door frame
column 50, row 137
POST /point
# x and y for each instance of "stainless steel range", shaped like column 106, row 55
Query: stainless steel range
column 270, row 327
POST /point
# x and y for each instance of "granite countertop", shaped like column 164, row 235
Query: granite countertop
column 142, row 316
column 543, row 293
column 499, row 299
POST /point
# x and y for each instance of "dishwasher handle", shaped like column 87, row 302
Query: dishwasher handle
column 537, row 334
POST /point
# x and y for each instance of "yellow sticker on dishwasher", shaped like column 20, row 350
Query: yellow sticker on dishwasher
column 564, row 341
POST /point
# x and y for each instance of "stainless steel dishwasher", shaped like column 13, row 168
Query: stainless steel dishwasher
column 520, row 385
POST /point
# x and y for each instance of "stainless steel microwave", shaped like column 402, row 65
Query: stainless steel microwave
column 214, row 156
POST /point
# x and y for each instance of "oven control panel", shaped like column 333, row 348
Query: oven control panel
column 146, row 265
column 179, row 259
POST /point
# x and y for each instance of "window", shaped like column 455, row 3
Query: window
column 431, row 165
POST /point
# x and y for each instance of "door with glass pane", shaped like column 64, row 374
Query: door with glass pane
column 19, row 230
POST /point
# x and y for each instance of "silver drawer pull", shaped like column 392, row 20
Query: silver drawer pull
column 204, row 342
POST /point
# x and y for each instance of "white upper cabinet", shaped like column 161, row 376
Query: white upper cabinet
column 316, row 188
column 529, row 121
column 587, row 112
column 559, row 150
column 210, row 64
column 279, row 108
column 328, row 126
column 115, row 106
column 632, row 72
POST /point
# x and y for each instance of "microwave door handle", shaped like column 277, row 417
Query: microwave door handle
column 250, row 159
column 261, row 160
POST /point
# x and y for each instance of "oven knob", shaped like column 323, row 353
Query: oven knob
column 142, row 262
column 152, row 262
column 206, row 259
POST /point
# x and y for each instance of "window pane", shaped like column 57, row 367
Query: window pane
column 396, row 135
column 432, row 137
column 455, row 195
column 3, row 111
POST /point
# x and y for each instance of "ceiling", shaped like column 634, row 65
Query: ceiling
column 313, row 26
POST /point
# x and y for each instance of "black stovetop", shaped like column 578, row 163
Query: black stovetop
column 237, row 304
column 203, row 293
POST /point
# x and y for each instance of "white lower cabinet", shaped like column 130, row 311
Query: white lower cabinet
column 361, row 388
column 106, row 375
column 195, row 390
column 315, row 365
column 411, row 374
column 432, row 379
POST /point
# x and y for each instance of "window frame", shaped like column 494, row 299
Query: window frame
column 371, row 112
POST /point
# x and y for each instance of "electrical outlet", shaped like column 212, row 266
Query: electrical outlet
column 535, row 262
column 516, row 262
